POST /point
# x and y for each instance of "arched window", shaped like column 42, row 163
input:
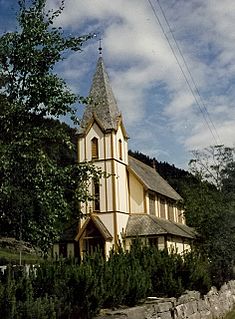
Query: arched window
column 96, row 194
column 94, row 148
column 120, row 149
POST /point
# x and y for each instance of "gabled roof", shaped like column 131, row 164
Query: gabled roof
column 98, row 224
column 103, row 106
column 148, row 225
column 151, row 179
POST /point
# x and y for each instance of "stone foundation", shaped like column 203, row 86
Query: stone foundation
column 216, row 304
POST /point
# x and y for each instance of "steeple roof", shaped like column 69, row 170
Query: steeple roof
column 102, row 106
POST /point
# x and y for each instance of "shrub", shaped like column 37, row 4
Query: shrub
column 65, row 289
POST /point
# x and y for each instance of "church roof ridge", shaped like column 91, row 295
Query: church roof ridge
column 102, row 102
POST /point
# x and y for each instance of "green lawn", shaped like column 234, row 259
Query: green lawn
column 9, row 256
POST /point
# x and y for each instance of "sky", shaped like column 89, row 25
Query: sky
column 171, row 65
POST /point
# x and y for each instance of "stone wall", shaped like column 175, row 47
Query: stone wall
column 216, row 304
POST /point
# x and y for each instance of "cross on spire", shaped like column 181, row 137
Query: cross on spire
column 100, row 47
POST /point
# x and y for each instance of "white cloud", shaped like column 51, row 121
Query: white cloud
column 142, row 67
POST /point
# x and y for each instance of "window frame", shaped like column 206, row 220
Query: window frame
column 94, row 148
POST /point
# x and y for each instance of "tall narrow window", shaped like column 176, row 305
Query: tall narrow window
column 151, row 203
column 96, row 194
column 120, row 149
column 162, row 208
column 170, row 211
column 94, row 148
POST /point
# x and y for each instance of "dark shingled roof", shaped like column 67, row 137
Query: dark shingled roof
column 98, row 224
column 103, row 106
column 102, row 228
column 148, row 225
column 151, row 179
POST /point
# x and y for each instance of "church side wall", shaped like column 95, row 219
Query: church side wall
column 136, row 195
column 121, row 225
column 122, row 202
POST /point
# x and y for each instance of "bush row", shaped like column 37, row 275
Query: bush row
column 63, row 289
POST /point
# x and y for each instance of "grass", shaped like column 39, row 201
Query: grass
column 8, row 256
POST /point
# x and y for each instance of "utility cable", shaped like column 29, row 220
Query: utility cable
column 189, row 72
column 182, row 71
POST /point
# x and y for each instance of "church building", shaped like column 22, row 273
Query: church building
column 134, row 200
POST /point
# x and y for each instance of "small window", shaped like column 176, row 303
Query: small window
column 96, row 194
column 151, row 204
column 162, row 208
column 120, row 149
column 170, row 212
column 63, row 250
column 94, row 148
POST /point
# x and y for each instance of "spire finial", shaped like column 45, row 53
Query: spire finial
column 100, row 47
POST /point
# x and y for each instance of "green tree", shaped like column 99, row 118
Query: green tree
column 210, row 163
column 210, row 211
column 38, row 192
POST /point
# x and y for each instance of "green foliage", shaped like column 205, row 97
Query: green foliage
column 210, row 163
column 195, row 272
column 39, row 189
column 208, row 192
column 65, row 289
column 29, row 56
column 210, row 209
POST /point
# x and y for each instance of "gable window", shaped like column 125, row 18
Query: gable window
column 96, row 194
column 120, row 149
column 151, row 204
column 94, row 148
column 162, row 208
column 170, row 212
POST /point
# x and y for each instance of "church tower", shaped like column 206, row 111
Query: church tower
column 102, row 140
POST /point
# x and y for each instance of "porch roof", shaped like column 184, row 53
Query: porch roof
column 148, row 225
column 98, row 224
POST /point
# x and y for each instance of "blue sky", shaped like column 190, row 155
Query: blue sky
column 159, row 110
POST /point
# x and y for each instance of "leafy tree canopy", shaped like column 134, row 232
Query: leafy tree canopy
column 38, row 190
column 210, row 207
column 211, row 163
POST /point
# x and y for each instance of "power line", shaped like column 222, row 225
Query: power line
column 198, row 99
column 189, row 72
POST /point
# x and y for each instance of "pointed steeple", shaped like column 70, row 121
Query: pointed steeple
column 103, row 106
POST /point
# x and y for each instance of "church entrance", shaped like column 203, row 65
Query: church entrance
column 92, row 241
column 92, row 245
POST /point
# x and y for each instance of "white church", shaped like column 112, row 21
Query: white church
column 134, row 201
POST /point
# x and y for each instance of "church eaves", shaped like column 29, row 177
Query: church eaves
column 102, row 106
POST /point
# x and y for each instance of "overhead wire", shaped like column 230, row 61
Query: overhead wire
column 189, row 72
column 197, row 96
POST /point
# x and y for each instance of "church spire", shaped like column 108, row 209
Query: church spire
column 103, row 106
